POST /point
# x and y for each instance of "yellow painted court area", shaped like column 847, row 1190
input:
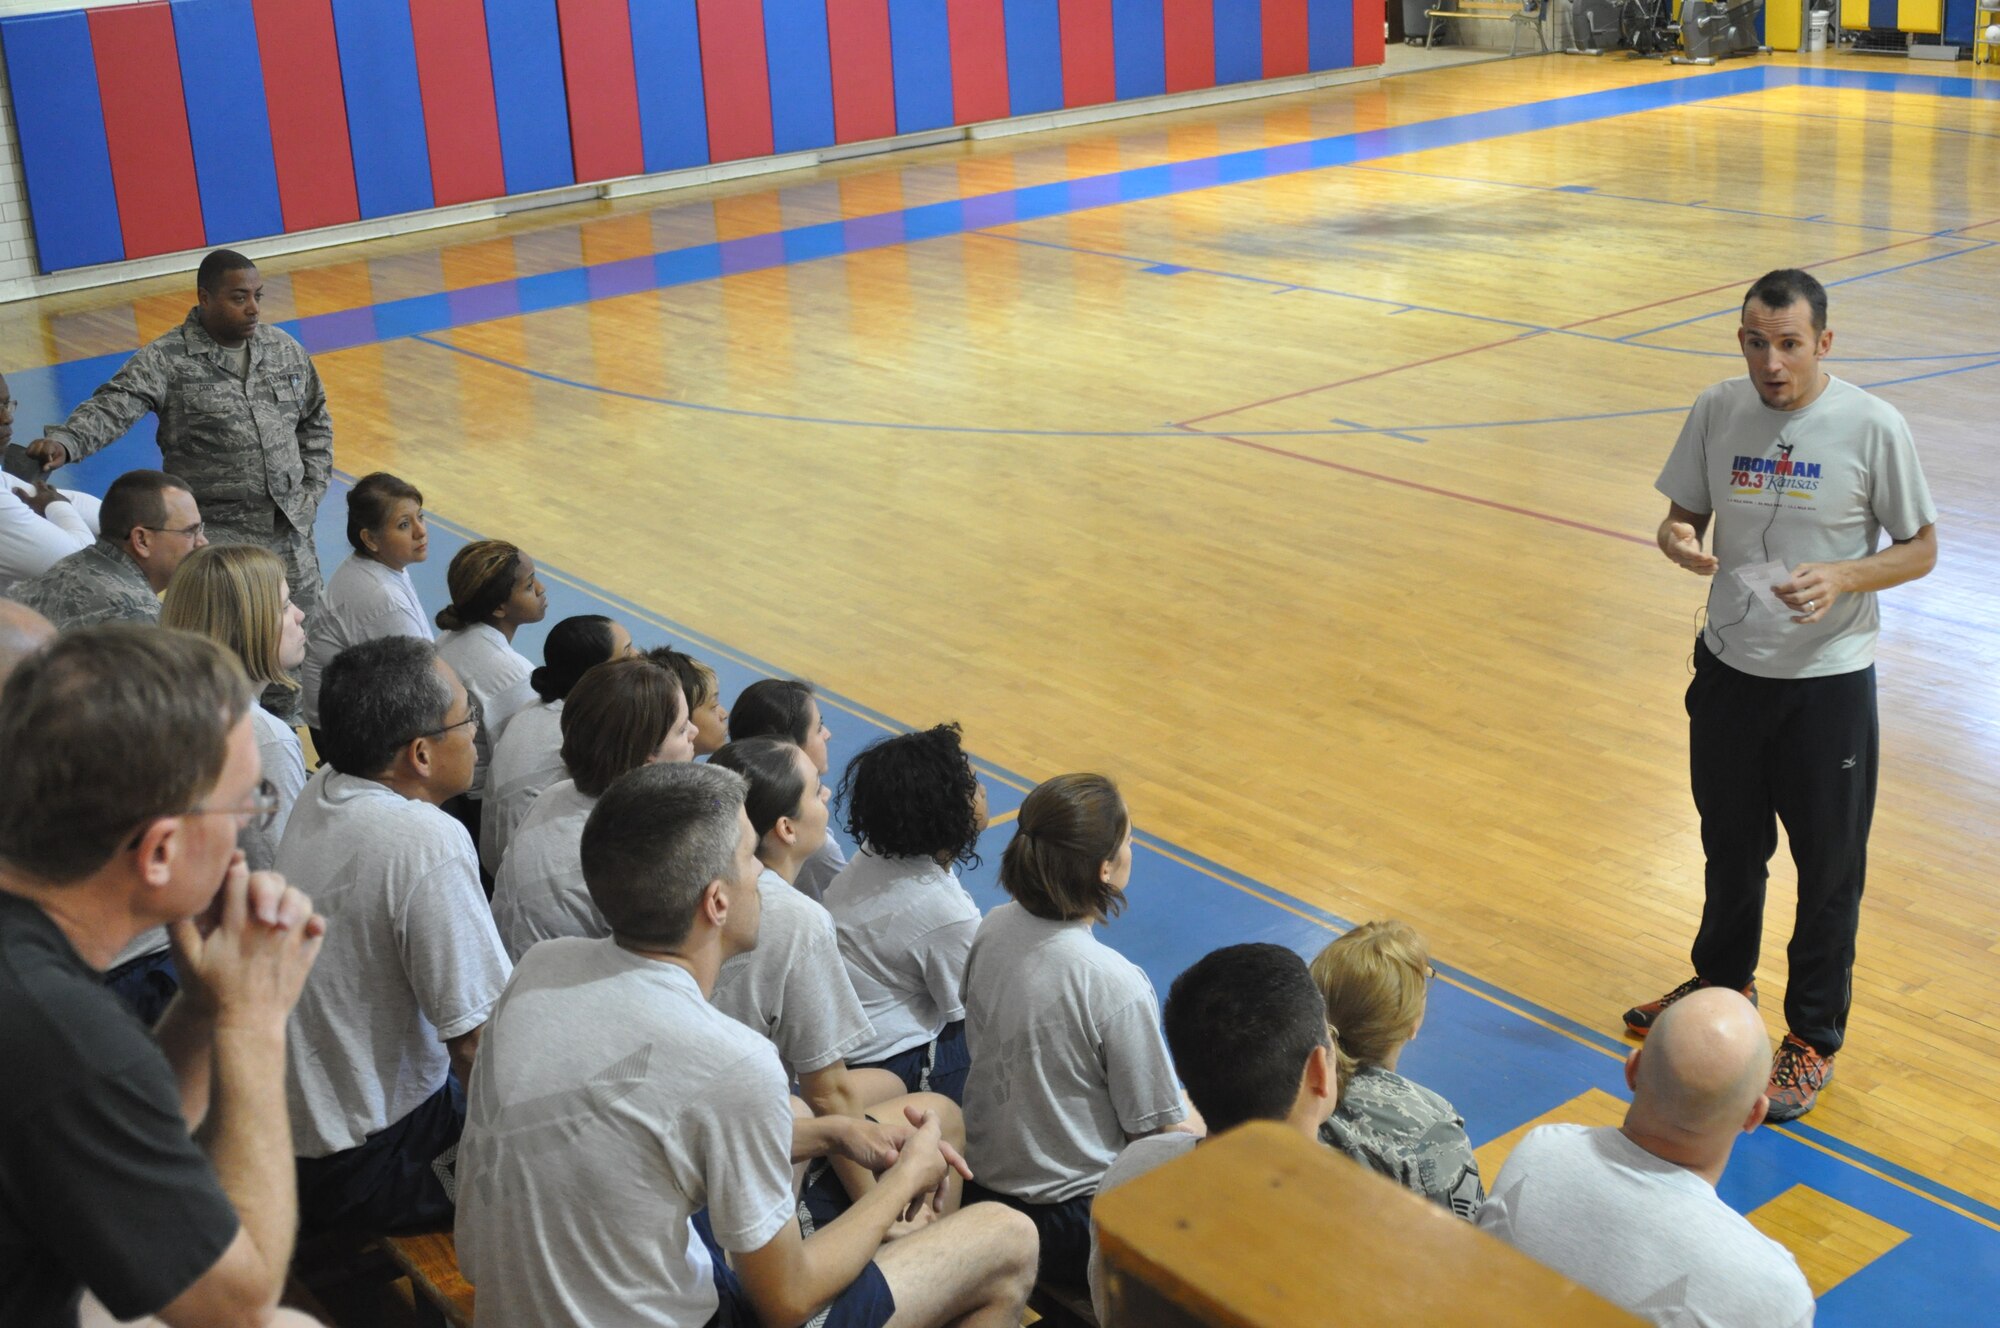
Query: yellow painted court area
column 1316, row 508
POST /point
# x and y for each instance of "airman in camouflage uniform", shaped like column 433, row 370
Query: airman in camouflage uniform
column 243, row 420
column 96, row 584
column 1409, row 1134
column 150, row 524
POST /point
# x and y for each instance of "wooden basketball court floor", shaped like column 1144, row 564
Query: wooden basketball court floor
column 1292, row 462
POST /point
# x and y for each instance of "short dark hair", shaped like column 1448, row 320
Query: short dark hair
column 480, row 579
column 375, row 699
column 653, row 843
column 1241, row 1023
column 774, row 708
column 1069, row 827
column 137, row 499
column 616, row 717
column 771, row 765
column 574, row 645
column 698, row 680
column 913, row 795
column 106, row 729
column 219, row 264
column 1784, row 287
column 371, row 502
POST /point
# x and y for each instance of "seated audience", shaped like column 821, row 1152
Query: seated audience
column 23, row 632
column 494, row 592
column 412, row 965
column 1376, row 979
column 793, row 988
column 371, row 593
column 785, row 708
column 39, row 525
column 131, row 766
column 629, row 1156
column 529, row 758
column 1248, row 1032
column 621, row 714
column 235, row 595
column 905, row 923
column 1632, row 1212
column 704, row 693
column 1068, row 1065
column 148, row 523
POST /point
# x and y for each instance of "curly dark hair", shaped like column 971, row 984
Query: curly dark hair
column 914, row 795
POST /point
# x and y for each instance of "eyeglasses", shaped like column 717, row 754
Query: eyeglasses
column 474, row 716
column 263, row 809
column 192, row 532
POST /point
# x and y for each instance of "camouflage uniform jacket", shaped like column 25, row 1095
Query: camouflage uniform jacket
column 1409, row 1134
column 94, row 585
column 242, row 447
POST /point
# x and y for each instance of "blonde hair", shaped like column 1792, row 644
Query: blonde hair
column 1374, row 980
column 233, row 594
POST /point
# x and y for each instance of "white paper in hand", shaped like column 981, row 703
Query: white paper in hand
column 1758, row 581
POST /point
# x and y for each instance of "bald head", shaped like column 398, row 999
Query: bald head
column 1705, row 1064
column 22, row 633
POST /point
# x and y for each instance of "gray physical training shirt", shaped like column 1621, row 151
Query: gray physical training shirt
column 1641, row 1232
column 905, row 927
column 793, row 988
column 539, row 891
column 1068, row 1063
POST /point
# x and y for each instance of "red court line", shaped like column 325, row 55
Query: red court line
column 1566, row 327
column 1435, row 490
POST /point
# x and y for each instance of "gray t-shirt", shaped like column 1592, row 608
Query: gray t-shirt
column 526, row 760
column 1409, row 1134
column 1641, row 1232
column 410, row 958
column 1814, row 485
column 1140, row 1156
column 609, row 1104
column 905, row 927
column 539, row 891
column 793, row 988
column 1067, row 1058
column 363, row 601
column 496, row 677
column 820, row 869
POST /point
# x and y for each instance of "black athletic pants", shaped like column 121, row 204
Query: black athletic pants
column 1801, row 751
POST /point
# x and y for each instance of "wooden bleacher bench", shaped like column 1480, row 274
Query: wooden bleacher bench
column 1521, row 13
column 1264, row 1228
column 431, row 1261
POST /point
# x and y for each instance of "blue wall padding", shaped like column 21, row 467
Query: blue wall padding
column 1330, row 34
column 59, row 123
column 666, row 56
column 920, row 49
column 1239, row 40
column 233, row 165
column 1139, row 47
column 385, row 105
column 1034, row 56
column 801, row 74
column 529, row 94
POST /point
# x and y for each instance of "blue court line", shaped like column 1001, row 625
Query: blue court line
column 415, row 315
column 1592, row 191
column 1883, row 120
column 1977, row 246
column 1401, row 306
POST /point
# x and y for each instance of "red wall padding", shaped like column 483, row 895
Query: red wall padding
column 736, row 79
column 1286, row 50
column 308, row 112
column 1368, row 33
column 864, row 81
column 456, row 77
column 145, row 125
column 1190, row 30
column 1090, row 73
column 978, row 60
column 603, row 89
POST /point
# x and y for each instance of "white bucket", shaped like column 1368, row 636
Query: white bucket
column 1816, row 30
